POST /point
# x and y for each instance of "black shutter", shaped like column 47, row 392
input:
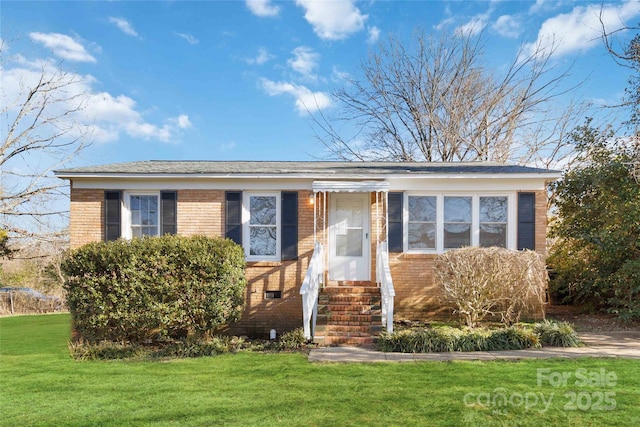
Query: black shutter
column 526, row 221
column 233, row 216
column 289, row 220
column 168, row 212
column 394, row 220
column 112, row 202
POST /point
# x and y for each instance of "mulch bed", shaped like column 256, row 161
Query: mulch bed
column 589, row 322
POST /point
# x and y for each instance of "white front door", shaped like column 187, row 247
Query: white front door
column 349, row 246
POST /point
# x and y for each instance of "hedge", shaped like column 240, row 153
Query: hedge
column 155, row 288
column 447, row 339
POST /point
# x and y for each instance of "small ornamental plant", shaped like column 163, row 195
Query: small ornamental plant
column 481, row 282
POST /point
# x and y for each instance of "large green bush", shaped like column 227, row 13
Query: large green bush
column 154, row 289
column 596, row 254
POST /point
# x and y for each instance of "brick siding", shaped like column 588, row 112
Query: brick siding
column 87, row 216
column 202, row 212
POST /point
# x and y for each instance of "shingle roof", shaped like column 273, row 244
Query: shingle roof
column 298, row 168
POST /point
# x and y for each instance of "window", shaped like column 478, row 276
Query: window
column 349, row 227
column 144, row 215
column 493, row 221
column 422, row 222
column 261, row 223
column 457, row 222
column 141, row 214
column 439, row 222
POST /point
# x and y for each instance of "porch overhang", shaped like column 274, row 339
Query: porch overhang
column 350, row 186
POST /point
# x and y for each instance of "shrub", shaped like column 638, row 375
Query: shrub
column 419, row 340
column 557, row 334
column 474, row 340
column 154, row 289
column 292, row 340
column 104, row 350
column 513, row 338
column 425, row 340
column 109, row 350
column 596, row 255
column 210, row 347
column 491, row 281
column 213, row 346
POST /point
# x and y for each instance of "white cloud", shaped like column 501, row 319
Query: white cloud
column 261, row 58
column 304, row 61
column 104, row 116
column 183, row 121
column 188, row 37
column 124, row 25
column 63, row 46
column 116, row 114
column 507, row 26
column 263, row 8
column 545, row 6
column 306, row 101
column 580, row 29
column 374, row 35
column 444, row 24
column 339, row 76
column 333, row 20
column 474, row 26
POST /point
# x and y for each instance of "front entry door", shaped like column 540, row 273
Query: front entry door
column 349, row 236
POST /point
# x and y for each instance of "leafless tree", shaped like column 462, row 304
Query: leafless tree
column 627, row 54
column 40, row 131
column 434, row 101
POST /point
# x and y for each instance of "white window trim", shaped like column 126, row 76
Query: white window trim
column 125, row 215
column 246, row 235
column 475, row 218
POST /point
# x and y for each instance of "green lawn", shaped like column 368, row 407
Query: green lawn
column 41, row 385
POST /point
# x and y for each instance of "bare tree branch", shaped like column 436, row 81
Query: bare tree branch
column 434, row 101
column 41, row 131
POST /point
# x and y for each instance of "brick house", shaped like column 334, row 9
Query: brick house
column 338, row 247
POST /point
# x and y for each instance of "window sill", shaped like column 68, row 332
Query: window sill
column 264, row 263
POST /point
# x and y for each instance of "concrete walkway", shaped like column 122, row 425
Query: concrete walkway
column 624, row 344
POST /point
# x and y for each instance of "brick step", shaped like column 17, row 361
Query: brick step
column 349, row 317
column 339, row 304
column 351, row 290
column 368, row 303
column 347, row 307
column 350, row 298
column 329, row 315
column 329, row 320
column 349, row 313
column 357, row 309
column 344, row 328
column 351, row 283
column 347, row 331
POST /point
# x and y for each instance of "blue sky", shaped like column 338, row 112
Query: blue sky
column 229, row 80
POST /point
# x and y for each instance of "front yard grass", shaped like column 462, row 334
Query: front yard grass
column 41, row 385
